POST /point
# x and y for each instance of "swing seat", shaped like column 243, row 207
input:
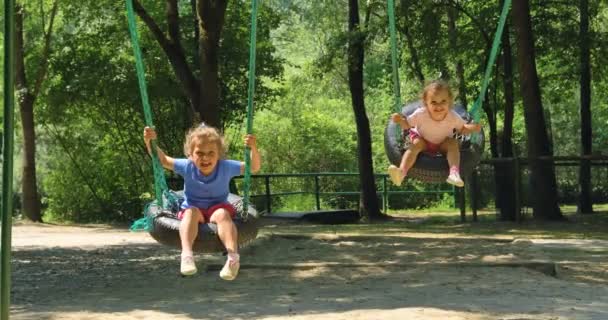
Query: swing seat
column 165, row 227
column 432, row 168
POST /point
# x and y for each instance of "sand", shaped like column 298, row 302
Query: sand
column 102, row 272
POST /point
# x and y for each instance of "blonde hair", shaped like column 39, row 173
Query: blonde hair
column 205, row 134
column 437, row 85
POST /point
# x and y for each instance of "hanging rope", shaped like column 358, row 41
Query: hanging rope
column 493, row 53
column 474, row 111
column 160, row 184
column 162, row 193
column 250, row 96
column 396, row 85
column 394, row 53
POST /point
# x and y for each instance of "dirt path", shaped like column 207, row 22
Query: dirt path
column 107, row 273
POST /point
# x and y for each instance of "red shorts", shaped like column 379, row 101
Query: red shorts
column 207, row 213
column 430, row 147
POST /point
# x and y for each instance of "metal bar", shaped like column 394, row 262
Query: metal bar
column 474, row 194
column 317, row 198
column 463, row 203
column 517, row 172
column 268, row 195
column 7, row 153
column 384, row 195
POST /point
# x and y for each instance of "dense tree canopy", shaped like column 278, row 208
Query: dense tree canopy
column 90, row 161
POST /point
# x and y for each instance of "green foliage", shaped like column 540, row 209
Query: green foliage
column 92, row 112
column 92, row 165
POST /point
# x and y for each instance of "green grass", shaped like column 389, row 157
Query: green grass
column 448, row 223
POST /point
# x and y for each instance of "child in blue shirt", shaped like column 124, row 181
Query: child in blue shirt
column 206, row 185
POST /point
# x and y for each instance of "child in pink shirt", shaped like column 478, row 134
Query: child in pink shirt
column 431, row 130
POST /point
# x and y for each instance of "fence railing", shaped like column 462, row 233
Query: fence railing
column 384, row 186
column 518, row 164
column 384, row 191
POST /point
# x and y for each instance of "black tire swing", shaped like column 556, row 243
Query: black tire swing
column 160, row 215
column 165, row 226
column 429, row 167
column 434, row 168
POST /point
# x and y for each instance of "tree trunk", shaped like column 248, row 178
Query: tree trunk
column 203, row 93
column 542, row 178
column 505, row 174
column 453, row 36
column 403, row 27
column 585, row 204
column 369, row 201
column 30, row 200
column 210, row 15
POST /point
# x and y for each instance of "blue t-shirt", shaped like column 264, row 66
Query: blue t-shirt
column 205, row 191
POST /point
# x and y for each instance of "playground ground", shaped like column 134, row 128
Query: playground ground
column 394, row 270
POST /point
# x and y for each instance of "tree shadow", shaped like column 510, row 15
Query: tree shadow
column 110, row 281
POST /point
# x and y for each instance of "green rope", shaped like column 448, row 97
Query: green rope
column 250, row 95
column 391, row 23
column 160, row 184
column 394, row 54
column 475, row 109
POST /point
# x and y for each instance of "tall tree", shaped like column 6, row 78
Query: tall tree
column 369, row 200
column 585, row 204
column 453, row 37
column 27, row 94
column 542, row 180
column 209, row 20
column 505, row 175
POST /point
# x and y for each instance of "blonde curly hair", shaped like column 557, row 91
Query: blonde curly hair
column 204, row 134
column 437, row 85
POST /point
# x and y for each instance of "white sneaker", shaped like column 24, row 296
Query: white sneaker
column 188, row 267
column 395, row 174
column 231, row 267
column 454, row 179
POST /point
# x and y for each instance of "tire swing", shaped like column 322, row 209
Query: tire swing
column 165, row 225
column 434, row 168
column 160, row 215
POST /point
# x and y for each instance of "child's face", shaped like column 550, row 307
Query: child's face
column 438, row 103
column 205, row 155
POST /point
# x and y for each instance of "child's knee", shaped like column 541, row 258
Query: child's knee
column 221, row 215
column 194, row 214
column 418, row 145
column 451, row 144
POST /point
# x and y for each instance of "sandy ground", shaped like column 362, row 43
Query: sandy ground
column 100, row 272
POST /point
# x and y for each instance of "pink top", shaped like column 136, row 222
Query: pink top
column 435, row 131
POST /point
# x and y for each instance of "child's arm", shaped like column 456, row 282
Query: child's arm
column 166, row 161
column 401, row 120
column 256, row 160
column 469, row 128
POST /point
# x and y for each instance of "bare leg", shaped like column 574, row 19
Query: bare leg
column 411, row 154
column 228, row 235
column 226, row 229
column 188, row 229
column 452, row 150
